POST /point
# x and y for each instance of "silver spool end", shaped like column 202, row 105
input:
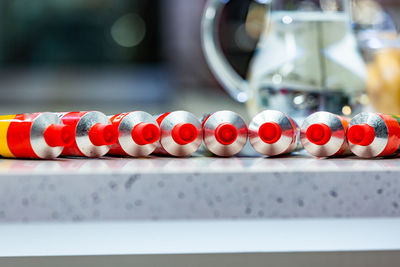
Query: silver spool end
column 335, row 143
column 380, row 141
column 169, row 144
column 289, row 133
column 82, row 134
column 38, row 142
column 210, row 139
column 125, row 128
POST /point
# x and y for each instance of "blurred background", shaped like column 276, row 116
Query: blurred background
column 123, row 55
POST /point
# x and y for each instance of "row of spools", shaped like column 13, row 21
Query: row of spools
column 224, row 133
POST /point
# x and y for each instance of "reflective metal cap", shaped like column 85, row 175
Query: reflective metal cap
column 225, row 133
column 83, row 127
column 380, row 140
column 320, row 145
column 126, row 131
column 38, row 142
column 272, row 133
column 188, row 142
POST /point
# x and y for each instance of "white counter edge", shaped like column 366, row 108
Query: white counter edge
column 198, row 237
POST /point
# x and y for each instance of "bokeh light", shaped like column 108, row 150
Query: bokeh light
column 129, row 30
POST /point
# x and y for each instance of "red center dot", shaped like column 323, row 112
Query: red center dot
column 270, row 132
column 319, row 134
column 226, row 133
column 145, row 133
column 184, row 133
column 362, row 134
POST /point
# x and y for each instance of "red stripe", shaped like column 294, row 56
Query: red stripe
column 116, row 148
column 18, row 136
column 72, row 119
column 394, row 135
column 205, row 120
column 162, row 117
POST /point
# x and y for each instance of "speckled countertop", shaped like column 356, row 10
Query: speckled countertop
column 197, row 188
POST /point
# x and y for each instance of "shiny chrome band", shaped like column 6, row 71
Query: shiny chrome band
column 337, row 140
column 38, row 143
column 82, row 134
column 212, row 123
column 125, row 134
column 289, row 140
column 381, row 135
column 168, row 143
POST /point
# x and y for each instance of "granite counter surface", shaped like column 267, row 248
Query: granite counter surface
column 198, row 188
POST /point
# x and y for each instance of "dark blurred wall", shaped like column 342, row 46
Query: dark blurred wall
column 73, row 32
column 81, row 54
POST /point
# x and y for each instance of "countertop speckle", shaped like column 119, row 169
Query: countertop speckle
column 198, row 188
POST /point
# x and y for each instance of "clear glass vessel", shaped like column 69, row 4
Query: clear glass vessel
column 307, row 59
